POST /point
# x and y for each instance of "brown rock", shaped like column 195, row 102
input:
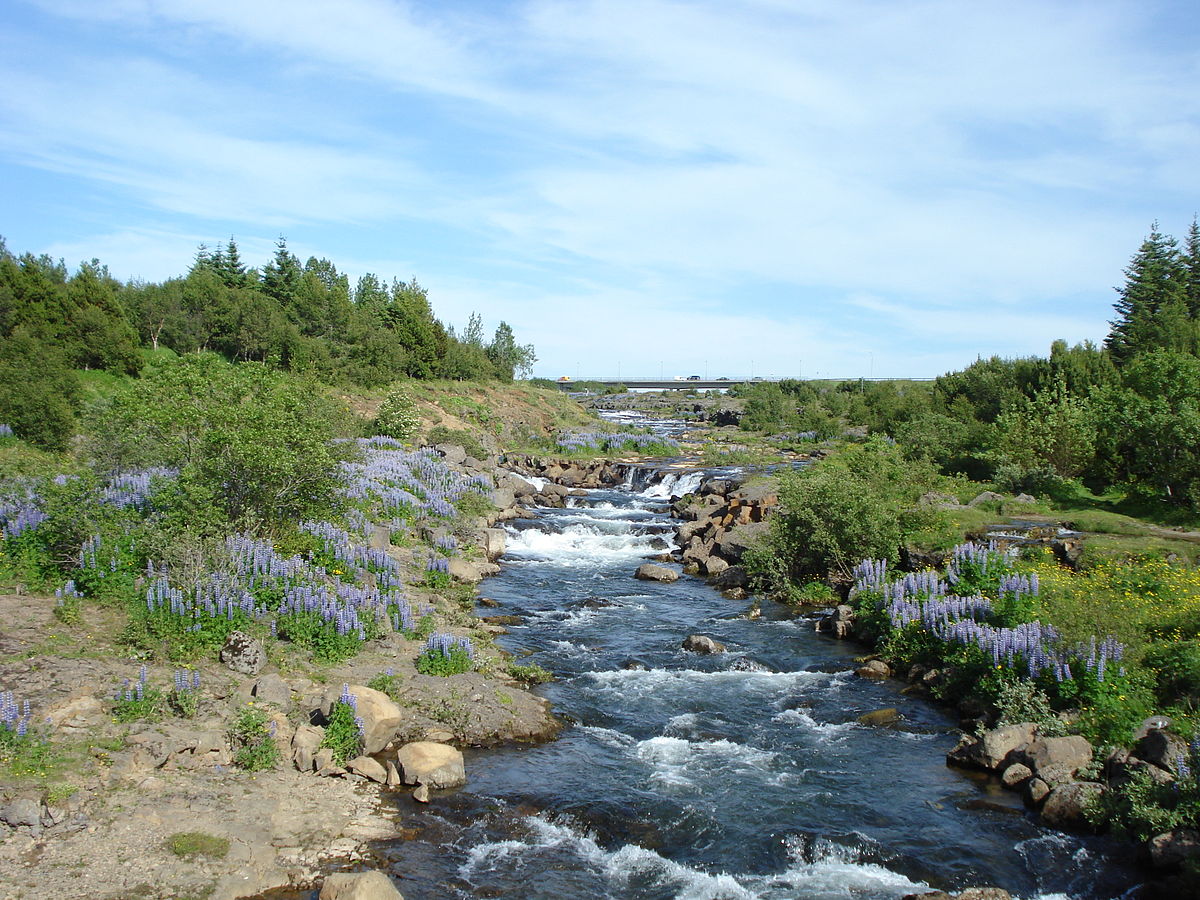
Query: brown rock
column 1065, row 806
column 380, row 715
column 701, row 643
column 368, row 768
column 434, row 765
column 359, row 886
column 1167, row 851
column 651, row 572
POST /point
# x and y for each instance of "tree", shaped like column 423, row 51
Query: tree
column 38, row 391
column 1152, row 310
column 1054, row 429
column 281, row 277
column 1149, row 427
column 509, row 357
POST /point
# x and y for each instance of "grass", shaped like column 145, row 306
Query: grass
column 194, row 844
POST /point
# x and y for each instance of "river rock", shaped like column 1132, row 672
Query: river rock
column 983, row 893
column 1065, row 806
column 1036, row 791
column 431, row 764
column 368, row 768
column 243, row 654
column 714, row 566
column 1172, row 849
column 839, row 623
column 991, row 750
column 359, row 886
column 874, row 668
column 1056, row 755
column 651, row 572
column 494, row 543
column 732, row 579
column 380, row 715
column 737, row 540
column 1015, row 775
column 880, row 717
column 702, row 643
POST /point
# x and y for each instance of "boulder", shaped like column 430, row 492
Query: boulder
column 737, row 540
column 368, row 768
column 701, row 643
column 984, row 893
column 714, row 566
column 1056, row 755
column 380, row 538
column 494, row 543
column 305, row 743
column 1065, row 806
column 732, row 578
column 651, row 572
column 380, row 715
column 987, row 497
column 359, row 886
column 243, row 654
column 431, row 764
column 23, row 811
column 271, row 688
column 990, row 751
column 839, row 622
column 452, row 453
column 1162, row 749
column 874, row 668
column 1172, row 849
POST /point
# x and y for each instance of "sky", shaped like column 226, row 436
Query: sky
column 811, row 188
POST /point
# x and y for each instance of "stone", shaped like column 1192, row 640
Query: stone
column 714, row 566
column 79, row 712
column 1056, row 754
column 984, row 893
column 368, row 768
column 495, row 540
column 874, row 668
column 1036, row 791
column 393, row 775
column 305, row 743
column 431, row 764
column 651, row 572
column 1172, row 849
column 381, row 537
column 1015, row 775
column 987, row 497
column 421, row 794
column 880, row 717
column 243, row 654
column 702, row 643
column 452, row 453
column 359, row 886
column 271, row 688
column 929, row 895
column 1065, row 806
column 990, row 751
column 380, row 715
column 733, row 578
column 839, row 622
column 1162, row 749
column 23, row 811
column 737, row 540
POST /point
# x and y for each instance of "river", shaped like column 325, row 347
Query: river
column 738, row 775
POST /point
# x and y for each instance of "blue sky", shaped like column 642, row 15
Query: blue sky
column 779, row 186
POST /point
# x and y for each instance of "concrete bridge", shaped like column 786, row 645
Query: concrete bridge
column 655, row 384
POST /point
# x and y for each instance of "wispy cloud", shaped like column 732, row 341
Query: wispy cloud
column 751, row 169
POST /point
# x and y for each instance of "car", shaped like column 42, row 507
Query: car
column 693, row 378
column 722, row 378
column 565, row 378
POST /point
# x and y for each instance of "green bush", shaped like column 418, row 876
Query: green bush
column 252, row 736
column 343, row 729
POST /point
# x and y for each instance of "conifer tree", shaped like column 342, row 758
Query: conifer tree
column 1152, row 305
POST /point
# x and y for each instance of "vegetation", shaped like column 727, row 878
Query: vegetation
column 252, row 736
column 343, row 728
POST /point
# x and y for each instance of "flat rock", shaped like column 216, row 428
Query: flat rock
column 271, row 688
column 880, row 717
column 359, row 886
column 651, row 572
column 431, row 764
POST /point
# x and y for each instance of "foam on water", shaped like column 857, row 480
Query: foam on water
column 826, row 872
column 576, row 545
column 676, row 762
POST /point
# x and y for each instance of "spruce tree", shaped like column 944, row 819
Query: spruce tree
column 1150, row 301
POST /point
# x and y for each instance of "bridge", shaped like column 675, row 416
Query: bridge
column 687, row 384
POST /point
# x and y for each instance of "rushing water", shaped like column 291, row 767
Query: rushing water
column 739, row 775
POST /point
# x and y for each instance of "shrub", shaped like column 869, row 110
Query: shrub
column 344, row 729
column 529, row 674
column 398, row 417
column 387, row 682
column 252, row 736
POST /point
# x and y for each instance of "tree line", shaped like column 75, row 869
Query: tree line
column 1125, row 413
column 302, row 318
